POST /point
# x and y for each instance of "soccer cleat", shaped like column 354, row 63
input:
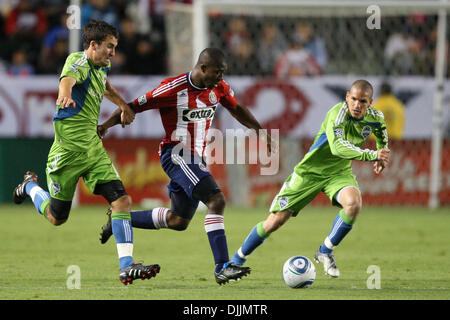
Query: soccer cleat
column 231, row 272
column 329, row 263
column 19, row 194
column 106, row 228
column 138, row 271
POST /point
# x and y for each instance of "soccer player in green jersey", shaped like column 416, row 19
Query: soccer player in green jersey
column 327, row 167
column 77, row 150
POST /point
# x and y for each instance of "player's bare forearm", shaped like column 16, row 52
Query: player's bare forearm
column 113, row 120
column 127, row 115
column 65, row 92
column 245, row 117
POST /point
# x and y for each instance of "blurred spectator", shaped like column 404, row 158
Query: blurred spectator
column 55, row 47
column 53, row 60
column 241, row 58
column 393, row 110
column 98, row 9
column 126, row 49
column 313, row 44
column 26, row 20
column 296, row 62
column 271, row 46
column 19, row 65
column 147, row 60
column 402, row 50
column 235, row 35
column 25, row 26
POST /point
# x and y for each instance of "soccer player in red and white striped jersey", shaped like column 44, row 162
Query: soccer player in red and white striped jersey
column 187, row 104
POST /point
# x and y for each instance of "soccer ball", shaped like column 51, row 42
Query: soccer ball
column 299, row 272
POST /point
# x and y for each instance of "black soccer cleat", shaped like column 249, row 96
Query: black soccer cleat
column 138, row 271
column 106, row 232
column 19, row 194
column 231, row 272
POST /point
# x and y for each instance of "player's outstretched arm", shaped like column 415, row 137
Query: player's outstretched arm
column 65, row 93
column 127, row 114
column 246, row 118
column 113, row 120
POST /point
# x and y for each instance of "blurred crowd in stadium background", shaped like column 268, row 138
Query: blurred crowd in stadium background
column 34, row 40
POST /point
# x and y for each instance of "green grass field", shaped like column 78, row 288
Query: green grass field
column 411, row 246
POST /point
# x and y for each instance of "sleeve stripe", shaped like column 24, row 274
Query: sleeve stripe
column 341, row 114
column 168, row 85
column 159, row 91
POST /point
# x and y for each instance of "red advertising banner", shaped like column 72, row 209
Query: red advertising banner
column 138, row 165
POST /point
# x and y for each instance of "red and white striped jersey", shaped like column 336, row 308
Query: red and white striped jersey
column 186, row 110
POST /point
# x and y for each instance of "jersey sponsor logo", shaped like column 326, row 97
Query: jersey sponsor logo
column 212, row 97
column 142, row 100
column 366, row 131
column 199, row 114
column 283, row 202
column 339, row 132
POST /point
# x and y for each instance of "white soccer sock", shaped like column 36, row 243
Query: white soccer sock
column 159, row 217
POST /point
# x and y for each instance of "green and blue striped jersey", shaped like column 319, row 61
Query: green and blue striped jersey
column 340, row 139
column 76, row 128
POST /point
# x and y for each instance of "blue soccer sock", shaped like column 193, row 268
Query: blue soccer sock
column 40, row 197
column 341, row 226
column 149, row 219
column 215, row 229
column 123, row 233
column 255, row 238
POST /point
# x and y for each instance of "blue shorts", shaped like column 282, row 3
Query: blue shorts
column 184, row 172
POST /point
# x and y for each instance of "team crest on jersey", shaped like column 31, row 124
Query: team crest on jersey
column 56, row 188
column 142, row 100
column 212, row 97
column 231, row 92
column 366, row 131
column 339, row 132
column 283, row 202
column 199, row 114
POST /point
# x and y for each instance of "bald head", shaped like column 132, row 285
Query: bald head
column 208, row 71
column 362, row 85
column 211, row 57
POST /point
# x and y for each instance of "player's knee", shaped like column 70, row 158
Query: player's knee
column 58, row 211
column 123, row 204
column 216, row 203
column 177, row 223
column 352, row 207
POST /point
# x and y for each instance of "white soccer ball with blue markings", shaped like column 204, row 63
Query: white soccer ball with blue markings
column 299, row 272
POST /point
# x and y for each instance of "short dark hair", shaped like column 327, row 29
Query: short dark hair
column 363, row 85
column 211, row 56
column 97, row 30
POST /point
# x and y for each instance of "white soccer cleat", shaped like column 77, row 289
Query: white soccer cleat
column 329, row 263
